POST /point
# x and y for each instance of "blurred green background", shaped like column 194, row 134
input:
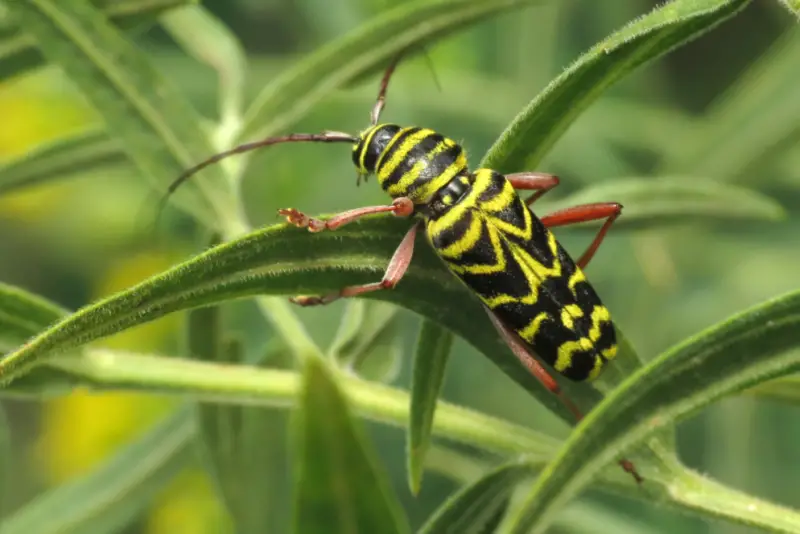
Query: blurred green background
column 724, row 108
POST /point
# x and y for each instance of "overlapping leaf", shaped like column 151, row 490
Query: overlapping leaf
column 534, row 131
column 107, row 499
column 747, row 349
column 430, row 361
column 18, row 52
column 370, row 47
column 156, row 127
column 83, row 153
column 339, row 486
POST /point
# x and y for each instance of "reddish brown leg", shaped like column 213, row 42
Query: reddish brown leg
column 529, row 181
column 587, row 212
column 524, row 355
column 397, row 268
column 532, row 364
column 381, row 102
column 401, row 207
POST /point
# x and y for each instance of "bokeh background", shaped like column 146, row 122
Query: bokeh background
column 724, row 108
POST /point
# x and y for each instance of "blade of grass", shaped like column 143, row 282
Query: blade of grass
column 536, row 129
column 108, row 498
column 88, row 152
column 468, row 510
column 18, row 52
column 155, row 125
column 339, row 485
column 430, row 360
column 370, row 47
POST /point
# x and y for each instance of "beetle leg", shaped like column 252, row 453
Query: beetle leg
column 401, row 207
column 587, row 212
column 533, row 181
column 523, row 353
column 395, row 271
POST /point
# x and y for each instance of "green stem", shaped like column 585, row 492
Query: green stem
column 707, row 498
column 673, row 485
column 269, row 387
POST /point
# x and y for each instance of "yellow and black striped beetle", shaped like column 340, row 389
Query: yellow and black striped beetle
column 536, row 296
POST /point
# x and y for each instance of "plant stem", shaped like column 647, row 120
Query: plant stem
column 269, row 387
column 706, row 497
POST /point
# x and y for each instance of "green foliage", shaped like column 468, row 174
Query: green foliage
column 430, row 361
column 339, row 484
column 534, row 131
column 113, row 494
column 19, row 52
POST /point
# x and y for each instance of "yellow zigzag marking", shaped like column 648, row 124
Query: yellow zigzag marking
column 466, row 242
column 566, row 351
column 569, row 313
column 576, row 277
column 530, row 331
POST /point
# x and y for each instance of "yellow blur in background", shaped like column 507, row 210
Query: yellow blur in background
column 80, row 430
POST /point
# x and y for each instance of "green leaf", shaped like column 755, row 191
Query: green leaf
column 154, row 124
column 372, row 45
column 23, row 315
column 785, row 389
column 660, row 201
column 430, row 361
column 367, row 341
column 748, row 125
column 18, row 52
column 108, row 498
column 88, row 152
column 6, row 466
column 280, row 260
column 536, row 129
column 587, row 517
column 471, row 508
column 745, row 350
column 236, row 447
column 339, row 485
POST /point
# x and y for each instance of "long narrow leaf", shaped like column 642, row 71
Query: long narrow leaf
column 430, row 360
column 534, row 131
column 278, row 260
column 18, row 52
column 473, row 506
column 745, row 350
column 155, row 125
column 108, row 498
column 92, row 151
column 373, row 45
column 339, row 486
